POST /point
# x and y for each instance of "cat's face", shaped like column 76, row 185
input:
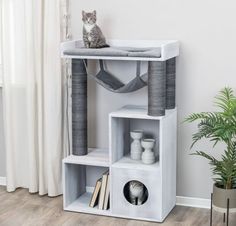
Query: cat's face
column 89, row 18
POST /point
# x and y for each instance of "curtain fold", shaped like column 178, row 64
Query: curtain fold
column 33, row 94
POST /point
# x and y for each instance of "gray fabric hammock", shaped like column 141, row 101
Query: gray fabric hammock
column 111, row 83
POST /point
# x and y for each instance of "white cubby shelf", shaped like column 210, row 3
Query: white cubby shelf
column 159, row 178
column 95, row 157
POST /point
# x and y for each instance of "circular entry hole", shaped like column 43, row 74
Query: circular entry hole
column 135, row 192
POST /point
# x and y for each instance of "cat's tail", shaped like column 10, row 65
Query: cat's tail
column 105, row 46
column 99, row 47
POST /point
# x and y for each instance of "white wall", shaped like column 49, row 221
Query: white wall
column 207, row 33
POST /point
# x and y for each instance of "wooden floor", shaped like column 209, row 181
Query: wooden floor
column 21, row 208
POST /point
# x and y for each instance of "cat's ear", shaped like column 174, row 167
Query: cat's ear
column 83, row 13
column 94, row 12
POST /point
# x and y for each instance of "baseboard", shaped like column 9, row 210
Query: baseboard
column 193, row 202
column 3, row 181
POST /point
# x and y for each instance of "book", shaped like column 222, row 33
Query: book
column 95, row 195
column 103, row 190
column 107, row 194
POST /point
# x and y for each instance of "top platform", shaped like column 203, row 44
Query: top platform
column 138, row 112
column 130, row 50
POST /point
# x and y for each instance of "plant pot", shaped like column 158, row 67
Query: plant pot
column 220, row 197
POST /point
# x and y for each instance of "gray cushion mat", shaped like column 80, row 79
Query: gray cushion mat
column 116, row 51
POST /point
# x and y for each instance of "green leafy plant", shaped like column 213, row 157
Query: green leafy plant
column 219, row 126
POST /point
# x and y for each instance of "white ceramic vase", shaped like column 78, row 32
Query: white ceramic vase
column 135, row 147
column 148, row 156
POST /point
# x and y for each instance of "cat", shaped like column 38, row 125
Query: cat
column 92, row 34
column 136, row 192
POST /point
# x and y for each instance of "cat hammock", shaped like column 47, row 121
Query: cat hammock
column 111, row 83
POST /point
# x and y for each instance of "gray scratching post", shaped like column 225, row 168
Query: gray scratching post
column 170, row 83
column 79, row 108
column 156, row 88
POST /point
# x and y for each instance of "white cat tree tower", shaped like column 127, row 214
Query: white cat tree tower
column 159, row 118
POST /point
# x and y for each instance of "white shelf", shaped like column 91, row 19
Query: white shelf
column 127, row 163
column 95, row 157
column 82, row 205
column 139, row 112
column 169, row 49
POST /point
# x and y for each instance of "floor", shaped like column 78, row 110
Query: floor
column 21, row 208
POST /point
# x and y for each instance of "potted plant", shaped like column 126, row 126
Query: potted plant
column 220, row 126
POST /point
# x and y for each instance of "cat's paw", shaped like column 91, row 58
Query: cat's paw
column 86, row 44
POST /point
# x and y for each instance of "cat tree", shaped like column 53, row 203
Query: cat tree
column 159, row 118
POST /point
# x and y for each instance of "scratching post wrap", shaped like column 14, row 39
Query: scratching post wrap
column 156, row 88
column 79, row 108
column 170, row 83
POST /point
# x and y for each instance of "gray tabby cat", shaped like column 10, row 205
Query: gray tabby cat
column 92, row 34
column 136, row 192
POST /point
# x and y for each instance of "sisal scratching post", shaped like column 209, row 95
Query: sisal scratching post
column 156, row 88
column 170, row 83
column 79, row 108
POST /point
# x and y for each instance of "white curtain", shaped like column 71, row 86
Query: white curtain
column 33, row 94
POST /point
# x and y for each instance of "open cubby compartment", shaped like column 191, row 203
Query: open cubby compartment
column 121, row 140
column 121, row 123
column 79, row 181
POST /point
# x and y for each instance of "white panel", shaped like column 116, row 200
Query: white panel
column 168, row 132
column 140, row 112
column 95, row 157
column 74, row 182
column 151, row 209
column 119, row 139
column 127, row 163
